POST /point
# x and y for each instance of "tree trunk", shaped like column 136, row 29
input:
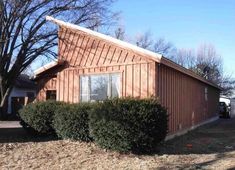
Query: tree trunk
column 4, row 93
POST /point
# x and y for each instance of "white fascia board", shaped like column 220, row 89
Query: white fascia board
column 46, row 67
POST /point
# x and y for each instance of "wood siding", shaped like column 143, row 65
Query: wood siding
column 85, row 54
column 44, row 84
column 184, row 97
column 140, row 76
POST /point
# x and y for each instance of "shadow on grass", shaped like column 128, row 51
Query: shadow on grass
column 19, row 135
column 218, row 160
column 216, row 137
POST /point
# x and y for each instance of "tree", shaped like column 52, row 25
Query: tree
column 158, row 45
column 206, row 56
column 144, row 40
column 25, row 35
column 120, row 33
column 164, row 47
column 228, row 85
column 185, row 58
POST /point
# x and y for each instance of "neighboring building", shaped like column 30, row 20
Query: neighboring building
column 225, row 99
column 22, row 93
column 232, row 107
column 92, row 66
column 225, row 106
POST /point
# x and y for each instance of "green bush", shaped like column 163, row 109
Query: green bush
column 37, row 117
column 129, row 124
column 71, row 122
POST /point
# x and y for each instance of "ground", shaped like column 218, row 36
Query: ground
column 209, row 147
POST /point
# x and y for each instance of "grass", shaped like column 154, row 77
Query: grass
column 209, row 147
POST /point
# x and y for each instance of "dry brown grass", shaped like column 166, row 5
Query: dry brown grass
column 209, row 147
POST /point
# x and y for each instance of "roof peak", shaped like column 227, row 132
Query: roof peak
column 155, row 56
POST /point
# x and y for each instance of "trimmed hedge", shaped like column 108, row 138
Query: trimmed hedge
column 71, row 122
column 37, row 117
column 121, row 124
column 128, row 124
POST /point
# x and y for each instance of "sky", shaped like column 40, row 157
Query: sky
column 185, row 23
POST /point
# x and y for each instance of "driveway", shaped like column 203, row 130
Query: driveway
column 12, row 132
column 10, row 124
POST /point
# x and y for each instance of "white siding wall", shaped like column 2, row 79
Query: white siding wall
column 233, row 107
column 16, row 92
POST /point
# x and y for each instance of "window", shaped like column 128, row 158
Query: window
column 206, row 94
column 51, row 95
column 99, row 87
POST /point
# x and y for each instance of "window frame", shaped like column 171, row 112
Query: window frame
column 50, row 93
column 109, row 86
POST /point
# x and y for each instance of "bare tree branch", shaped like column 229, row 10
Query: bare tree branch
column 25, row 35
column 145, row 40
column 206, row 56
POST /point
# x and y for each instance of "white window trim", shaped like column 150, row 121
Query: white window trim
column 109, row 91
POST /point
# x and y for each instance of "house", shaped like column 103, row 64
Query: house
column 23, row 92
column 92, row 66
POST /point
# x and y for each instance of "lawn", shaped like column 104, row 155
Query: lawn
column 209, row 147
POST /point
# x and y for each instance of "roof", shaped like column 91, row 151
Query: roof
column 188, row 72
column 152, row 55
column 46, row 67
column 54, row 65
column 24, row 82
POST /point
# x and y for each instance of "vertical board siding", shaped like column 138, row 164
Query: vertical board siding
column 80, row 49
column 133, row 82
column 184, row 97
column 48, row 83
column 137, row 81
column 85, row 54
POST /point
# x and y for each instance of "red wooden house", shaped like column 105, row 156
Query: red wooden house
column 92, row 66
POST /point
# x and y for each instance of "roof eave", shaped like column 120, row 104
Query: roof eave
column 48, row 66
column 188, row 72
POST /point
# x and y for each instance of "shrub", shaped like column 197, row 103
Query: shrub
column 37, row 117
column 129, row 124
column 71, row 122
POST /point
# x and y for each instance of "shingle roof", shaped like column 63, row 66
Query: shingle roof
column 24, row 82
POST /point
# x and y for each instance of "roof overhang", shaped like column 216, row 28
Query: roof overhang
column 188, row 72
column 46, row 67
